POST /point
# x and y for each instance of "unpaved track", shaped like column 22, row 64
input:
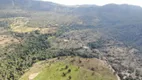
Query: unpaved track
column 32, row 76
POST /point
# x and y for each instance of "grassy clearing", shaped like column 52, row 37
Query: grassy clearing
column 70, row 69
column 19, row 25
column 35, row 69
column 23, row 29
column 58, row 71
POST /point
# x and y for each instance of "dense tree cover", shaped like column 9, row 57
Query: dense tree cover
column 97, row 44
column 36, row 47
column 23, row 56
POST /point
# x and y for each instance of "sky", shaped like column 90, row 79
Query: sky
column 97, row 2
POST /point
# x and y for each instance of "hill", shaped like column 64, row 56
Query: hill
column 33, row 31
column 71, row 68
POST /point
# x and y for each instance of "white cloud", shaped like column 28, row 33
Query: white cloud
column 97, row 2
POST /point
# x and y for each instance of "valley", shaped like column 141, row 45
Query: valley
column 48, row 41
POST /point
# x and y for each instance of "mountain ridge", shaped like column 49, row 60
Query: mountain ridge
column 43, row 4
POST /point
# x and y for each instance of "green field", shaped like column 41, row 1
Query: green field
column 69, row 69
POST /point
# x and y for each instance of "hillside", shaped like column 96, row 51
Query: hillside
column 32, row 31
column 71, row 68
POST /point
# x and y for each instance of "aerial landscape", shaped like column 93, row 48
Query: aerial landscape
column 42, row 40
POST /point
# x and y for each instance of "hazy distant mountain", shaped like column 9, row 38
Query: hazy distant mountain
column 28, row 4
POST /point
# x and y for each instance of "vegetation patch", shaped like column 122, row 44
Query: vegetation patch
column 6, row 39
column 20, row 25
column 70, row 68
